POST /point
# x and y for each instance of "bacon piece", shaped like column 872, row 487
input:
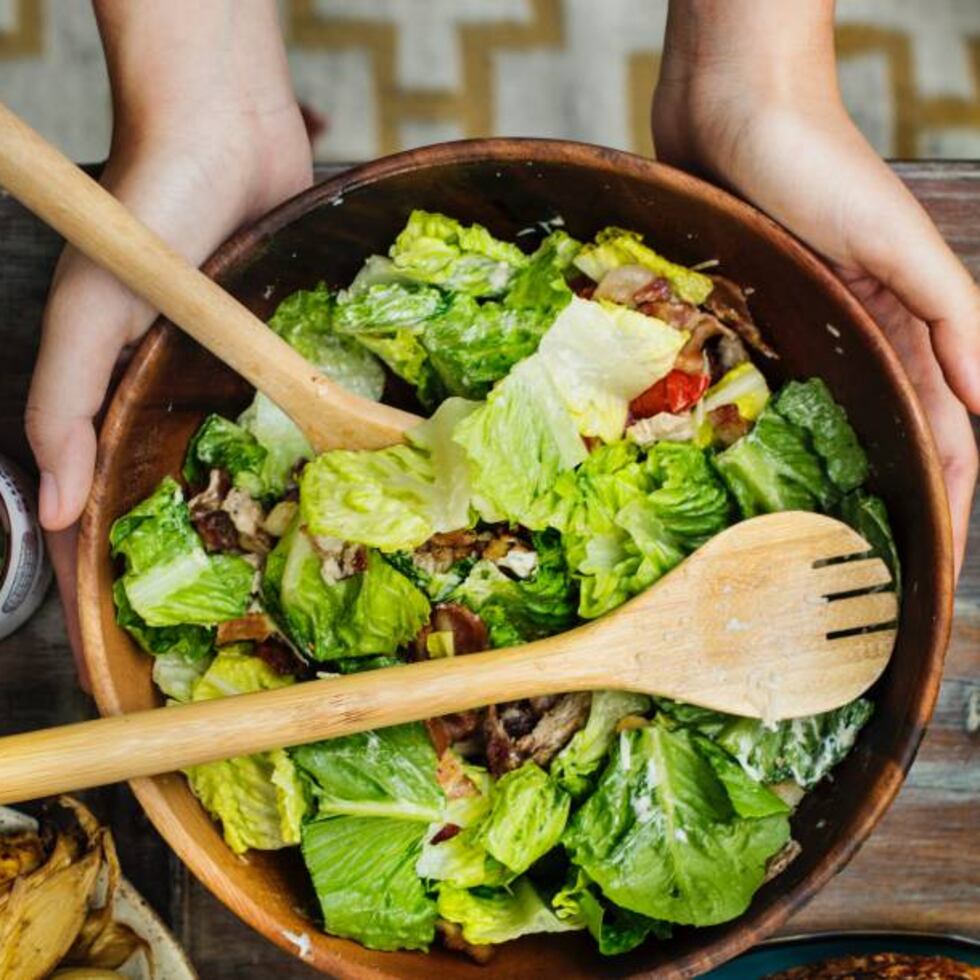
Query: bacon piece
column 252, row 626
column 445, row 832
column 658, row 290
column 728, row 302
column 447, row 730
column 217, row 530
column 728, row 424
column 280, row 656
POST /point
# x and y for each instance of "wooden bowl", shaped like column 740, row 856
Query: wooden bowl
column 508, row 185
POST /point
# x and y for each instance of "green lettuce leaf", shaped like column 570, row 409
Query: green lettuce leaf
column 176, row 674
column 615, row 930
column 517, row 444
column 170, row 580
column 801, row 749
column 541, row 283
column 868, row 516
column 390, row 772
column 403, row 352
column 773, row 469
column 673, row 834
column 191, row 644
column 497, row 916
column 519, row 610
column 223, row 444
column 435, row 249
column 574, row 767
column 600, row 356
column 528, row 812
column 614, row 247
column 371, row 612
column 363, row 871
column 285, row 446
column 258, row 798
column 744, row 387
column 384, row 307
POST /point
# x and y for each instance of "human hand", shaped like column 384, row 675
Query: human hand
column 772, row 126
column 195, row 154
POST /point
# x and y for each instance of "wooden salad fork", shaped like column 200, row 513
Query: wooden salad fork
column 776, row 617
column 66, row 198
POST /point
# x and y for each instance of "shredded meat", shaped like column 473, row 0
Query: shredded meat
column 520, row 730
column 555, row 727
column 280, row 656
column 252, row 626
column 691, row 357
column 217, row 530
column 339, row 559
column 728, row 424
column 451, row 777
column 674, row 312
column 452, row 938
column 727, row 301
column 658, row 290
column 662, row 427
column 621, row 285
column 443, row 550
column 211, row 497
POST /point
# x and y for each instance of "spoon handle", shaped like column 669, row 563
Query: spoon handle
column 61, row 194
column 145, row 743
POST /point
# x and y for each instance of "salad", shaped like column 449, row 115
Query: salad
column 597, row 413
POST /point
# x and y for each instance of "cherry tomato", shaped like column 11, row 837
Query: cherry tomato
column 673, row 393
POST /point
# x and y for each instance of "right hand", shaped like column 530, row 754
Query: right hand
column 193, row 181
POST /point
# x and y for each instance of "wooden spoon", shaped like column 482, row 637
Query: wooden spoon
column 743, row 626
column 61, row 194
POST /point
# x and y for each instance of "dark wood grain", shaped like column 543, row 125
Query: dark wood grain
column 920, row 868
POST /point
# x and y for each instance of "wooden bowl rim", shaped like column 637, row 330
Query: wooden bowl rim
column 152, row 792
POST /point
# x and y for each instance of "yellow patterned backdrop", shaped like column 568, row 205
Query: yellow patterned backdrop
column 388, row 74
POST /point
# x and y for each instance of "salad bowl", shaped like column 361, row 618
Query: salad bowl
column 514, row 187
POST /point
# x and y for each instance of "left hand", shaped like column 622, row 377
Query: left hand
column 794, row 152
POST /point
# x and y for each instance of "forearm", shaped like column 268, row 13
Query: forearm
column 773, row 46
column 183, row 63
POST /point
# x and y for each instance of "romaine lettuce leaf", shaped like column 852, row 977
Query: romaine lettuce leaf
column 516, row 444
column 600, row 356
column 541, row 284
column 614, row 247
column 519, row 610
column 390, row 772
column 527, row 816
column 258, row 798
column 773, row 469
column 581, row 758
column 223, row 444
column 868, row 516
column 744, row 387
column 382, row 308
column 191, row 644
column 176, row 674
column 614, row 929
column 801, row 749
column 371, row 612
column 435, row 249
column 672, row 834
column 810, row 405
column 403, row 352
column 170, row 580
column 497, row 916
column 363, row 871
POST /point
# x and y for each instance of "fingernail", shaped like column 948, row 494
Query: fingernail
column 48, row 501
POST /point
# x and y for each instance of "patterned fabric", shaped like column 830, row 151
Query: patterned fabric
column 390, row 74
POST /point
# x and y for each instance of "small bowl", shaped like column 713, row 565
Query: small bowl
column 807, row 315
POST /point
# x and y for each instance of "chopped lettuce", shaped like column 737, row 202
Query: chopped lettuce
column 773, row 469
column 600, row 356
column 614, row 247
column 435, row 249
column 574, row 767
column 383, row 308
column 744, row 387
column 499, row 915
column 868, row 516
column 363, row 871
column 259, row 798
column 170, row 580
column 285, row 446
column 225, row 445
column 527, row 816
column 626, row 522
column 541, row 284
column 372, row 612
column 614, row 929
column 519, row 610
column 673, row 832
column 801, row 749
column 810, row 405
column 176, row 675
column 390, row 772
column 189, row 643
column 517, row 443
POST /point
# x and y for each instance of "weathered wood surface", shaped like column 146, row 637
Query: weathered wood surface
column 919, row 870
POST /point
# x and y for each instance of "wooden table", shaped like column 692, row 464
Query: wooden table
column 920, row 870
